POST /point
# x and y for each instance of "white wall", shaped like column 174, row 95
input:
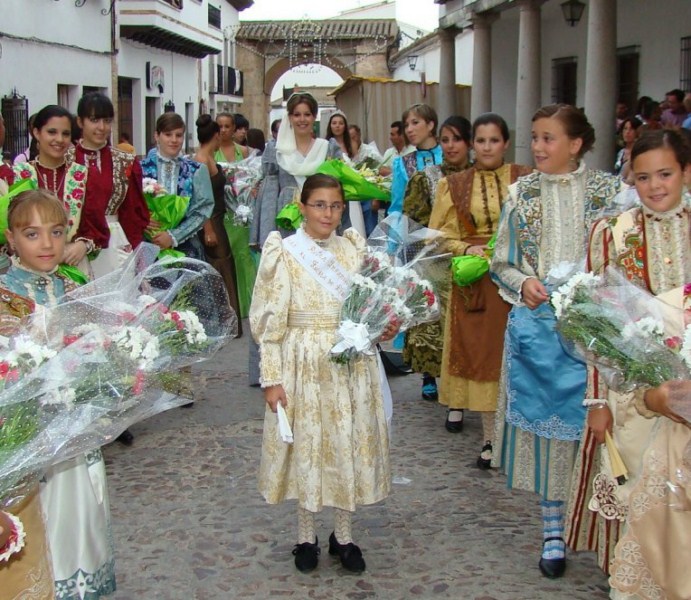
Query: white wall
column 180, row 82
column 31, row 61
column 427, row 63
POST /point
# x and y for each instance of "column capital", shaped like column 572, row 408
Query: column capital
column 530, row 4
column 483, row 20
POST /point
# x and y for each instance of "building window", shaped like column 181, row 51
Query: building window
column 174, row 3
column 564, row 78
column 214, row 17
column 685, row 75
column 627, row 76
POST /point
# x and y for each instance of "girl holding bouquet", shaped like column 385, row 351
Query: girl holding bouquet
column 340, row 453
column 56, row 171
column 228, row 150
column 74, row 495
column 424, row 343
column 545, row 221
column 467, row 213
column 651, row 245
column 181, row 176
column 287, row 162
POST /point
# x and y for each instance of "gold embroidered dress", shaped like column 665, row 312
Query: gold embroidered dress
column 476, row 315
column 340, row 454
column 653, row 250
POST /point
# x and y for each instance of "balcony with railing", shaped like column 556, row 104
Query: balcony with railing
column 179, row 26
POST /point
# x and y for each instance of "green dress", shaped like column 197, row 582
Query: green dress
column 246, row 260
column 424, row 343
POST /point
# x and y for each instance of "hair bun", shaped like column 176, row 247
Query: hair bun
column 203, row 120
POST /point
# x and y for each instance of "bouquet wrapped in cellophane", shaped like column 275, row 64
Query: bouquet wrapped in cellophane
column 633, row 338
column 242, row 185
column 74, row 376
column 166, row 209
column 395, row 286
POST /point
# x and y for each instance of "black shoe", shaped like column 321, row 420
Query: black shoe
column 429, row 389
column 307, row 556
column 126, row 438
column 453, row 426
column 350, row 555
column 484, row 461
column 552, row 568
column 188, row 405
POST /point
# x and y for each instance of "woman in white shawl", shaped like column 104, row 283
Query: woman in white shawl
column 295, row 155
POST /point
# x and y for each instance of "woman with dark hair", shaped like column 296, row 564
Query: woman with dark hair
column 545, row 222
column 287, row 162
column 642, row 539
column 256, row 140
column 628, row 133
column 295, row 155
column 115, row 182
column 467, row 213
column 182, row 176
column 424, row 343
column 337, row 129
column 213, row 234
column 228, row 151
column 87, row 230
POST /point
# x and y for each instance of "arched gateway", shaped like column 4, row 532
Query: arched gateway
column 265, row 50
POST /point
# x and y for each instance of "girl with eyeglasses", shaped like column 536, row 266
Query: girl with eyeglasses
column 340, row 454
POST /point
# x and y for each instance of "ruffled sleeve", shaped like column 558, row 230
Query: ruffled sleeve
column 133, row 213
column 269, row 309
column 505, row 268
column 445, row 220
column 199, row 209
column 360, row 243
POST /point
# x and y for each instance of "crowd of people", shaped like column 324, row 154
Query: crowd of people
column 495, row 350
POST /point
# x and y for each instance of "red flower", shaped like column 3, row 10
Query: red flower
column 138, row 386
column 430, row 297
column 673, row 343
column 79, row 175
column 128, row 316
column 175, row 316
column 69, row 339
column 4, row 369
column 13, row 375
column 78, row 193
column 25, row 174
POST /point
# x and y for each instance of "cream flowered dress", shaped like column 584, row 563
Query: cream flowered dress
column 340, row 456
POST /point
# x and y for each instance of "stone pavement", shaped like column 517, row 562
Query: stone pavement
column 190, row 524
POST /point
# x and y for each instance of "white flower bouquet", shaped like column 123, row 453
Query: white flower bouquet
column 76, row 375
column 631, row 336
column 242, row 186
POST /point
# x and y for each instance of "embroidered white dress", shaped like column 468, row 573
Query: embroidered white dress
column 340, row 454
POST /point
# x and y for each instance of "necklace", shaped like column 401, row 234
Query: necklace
column 57, row 184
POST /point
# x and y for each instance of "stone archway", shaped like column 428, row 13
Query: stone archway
column 265, row 50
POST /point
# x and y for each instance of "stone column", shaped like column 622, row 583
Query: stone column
column 481, row 91
column 528, row 84
column 601, row 80
column 446, row 103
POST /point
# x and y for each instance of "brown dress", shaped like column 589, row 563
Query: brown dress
column 467, row 213
column 220, row 256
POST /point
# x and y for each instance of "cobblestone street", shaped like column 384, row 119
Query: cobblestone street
column 189, row 523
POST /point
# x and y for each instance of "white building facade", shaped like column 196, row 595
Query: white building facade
column 147, row 55
column 525, row 55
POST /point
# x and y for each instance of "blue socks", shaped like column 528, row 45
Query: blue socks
column 553, row 527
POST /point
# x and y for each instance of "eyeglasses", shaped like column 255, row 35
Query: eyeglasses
column 322, row 206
